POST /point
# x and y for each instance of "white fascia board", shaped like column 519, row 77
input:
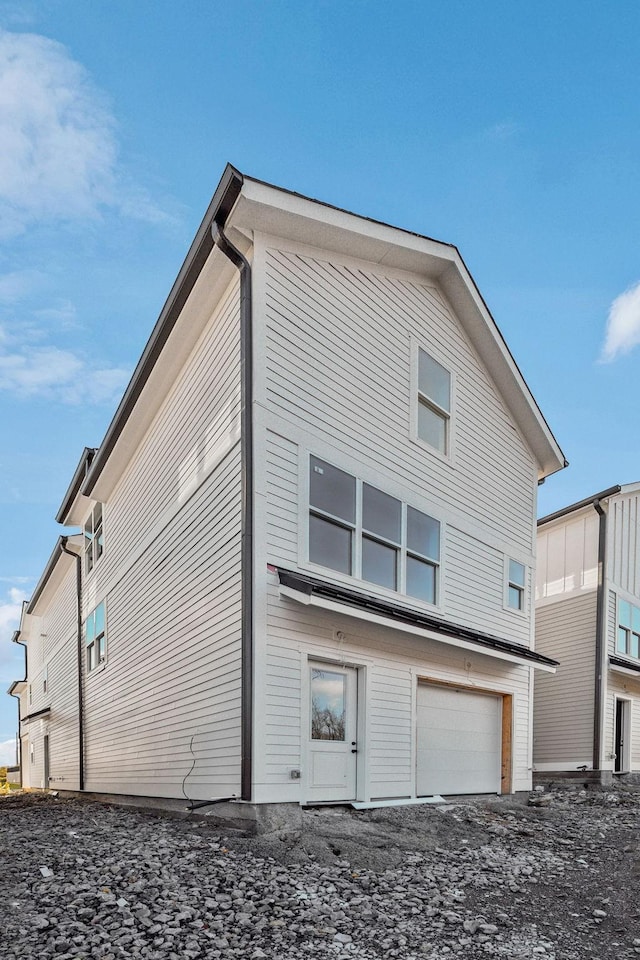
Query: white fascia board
column 627, row 672
column 358, row 614
column 292, row 217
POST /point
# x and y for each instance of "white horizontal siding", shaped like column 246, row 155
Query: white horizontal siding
column 393, row 662
column 167, row 704
column 63, row 723
column 564, row 702
column 338, row 363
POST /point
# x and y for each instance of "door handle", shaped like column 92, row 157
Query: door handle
column 353, row 744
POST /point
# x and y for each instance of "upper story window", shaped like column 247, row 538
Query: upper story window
column 95, row 637
column 516, row 585
column 361, row 531
column 93, row 538
column 434, row 403
column 628, row 641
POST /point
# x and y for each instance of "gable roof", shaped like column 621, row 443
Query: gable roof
column 249, row 204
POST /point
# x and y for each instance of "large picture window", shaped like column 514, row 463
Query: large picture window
column 434, row 402
column 359, row 530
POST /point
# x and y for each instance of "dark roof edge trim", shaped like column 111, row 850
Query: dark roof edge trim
column 587, row 502
column 38, row 713
column 619, row 662
column 219, row 209
column 310, row 586
column 56, row 554
column 76, row 483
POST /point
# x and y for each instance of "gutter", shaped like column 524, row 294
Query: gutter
column 587, row 502
column 600, row 635
column 79, row 658
column 16, row 639
column 247, row 468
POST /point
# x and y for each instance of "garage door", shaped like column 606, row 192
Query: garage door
column 459, row 741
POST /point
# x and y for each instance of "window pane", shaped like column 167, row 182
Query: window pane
column 91, row 656
column 432, row 427
column 99, row 544
column 329, row 544
column 635, row 618
column 97, row 515
column 88, row 530
column 381, row 513
column 423, row 534
column 515, row 597
column 434, row 381
column 421, row 580
column 622, row 640
column 624, row 613
column 635, row 645
column 99, row 614
column 516, row 573
column 90, row 628
column 332, row 490
column 328, row 698
column 379, row 563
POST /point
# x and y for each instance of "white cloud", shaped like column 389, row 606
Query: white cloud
column 8, row 753
column 59, row 156
column 59, row 375
column 623, row 324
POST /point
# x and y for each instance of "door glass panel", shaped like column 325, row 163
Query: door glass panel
column 423, row 534
column 332, row 491
column 381, row 513
column 379, row 563
column 421, row 580
column 328, row 705
column 329, row 544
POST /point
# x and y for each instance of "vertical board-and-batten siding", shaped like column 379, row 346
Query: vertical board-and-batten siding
column 624, row 543
column 564, row 703
column 338, row 362
column 163, row 716
column 567, row 558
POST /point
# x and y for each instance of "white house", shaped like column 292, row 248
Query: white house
column 305, row 573
column 588, row 617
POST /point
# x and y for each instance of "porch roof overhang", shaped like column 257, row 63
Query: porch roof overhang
column 618, row 665
column 363, row 606
column 34, row 716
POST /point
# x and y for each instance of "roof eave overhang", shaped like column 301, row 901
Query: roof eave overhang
column 51, row 576
column 327, row 596
column 72, row 498
column 588, row 502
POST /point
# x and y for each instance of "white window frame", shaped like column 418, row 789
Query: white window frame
column 629, row 630
column 449, row 455
column 100, row 661
column 306, row 510
column 522, row 611
column 92, row 549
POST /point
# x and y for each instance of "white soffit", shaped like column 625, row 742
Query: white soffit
column 358, row 614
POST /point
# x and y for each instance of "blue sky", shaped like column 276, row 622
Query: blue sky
column 511, row 130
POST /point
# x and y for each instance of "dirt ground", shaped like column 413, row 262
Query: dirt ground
column 553, row 874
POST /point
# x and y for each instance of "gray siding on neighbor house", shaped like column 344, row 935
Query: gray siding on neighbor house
column 564, row 703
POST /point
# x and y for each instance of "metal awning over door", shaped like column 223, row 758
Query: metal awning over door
column 459, row 741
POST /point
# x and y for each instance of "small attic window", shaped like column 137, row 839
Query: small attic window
column 93, row 538
column 434, row 403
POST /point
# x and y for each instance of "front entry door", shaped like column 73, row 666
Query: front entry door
column 621, row 764
column 332, row 733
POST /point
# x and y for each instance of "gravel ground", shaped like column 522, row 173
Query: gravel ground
column 556, row 877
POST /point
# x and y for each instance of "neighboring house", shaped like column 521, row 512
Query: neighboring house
column 588, row 617
column 308, row 535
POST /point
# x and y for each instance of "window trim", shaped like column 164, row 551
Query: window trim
column 629, row 630
column 91, row 555
column 416, row 394
column 101, row 662
column 306, row 510
column 522, row 611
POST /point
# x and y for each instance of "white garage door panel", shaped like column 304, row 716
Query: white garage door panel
column 458, row 741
